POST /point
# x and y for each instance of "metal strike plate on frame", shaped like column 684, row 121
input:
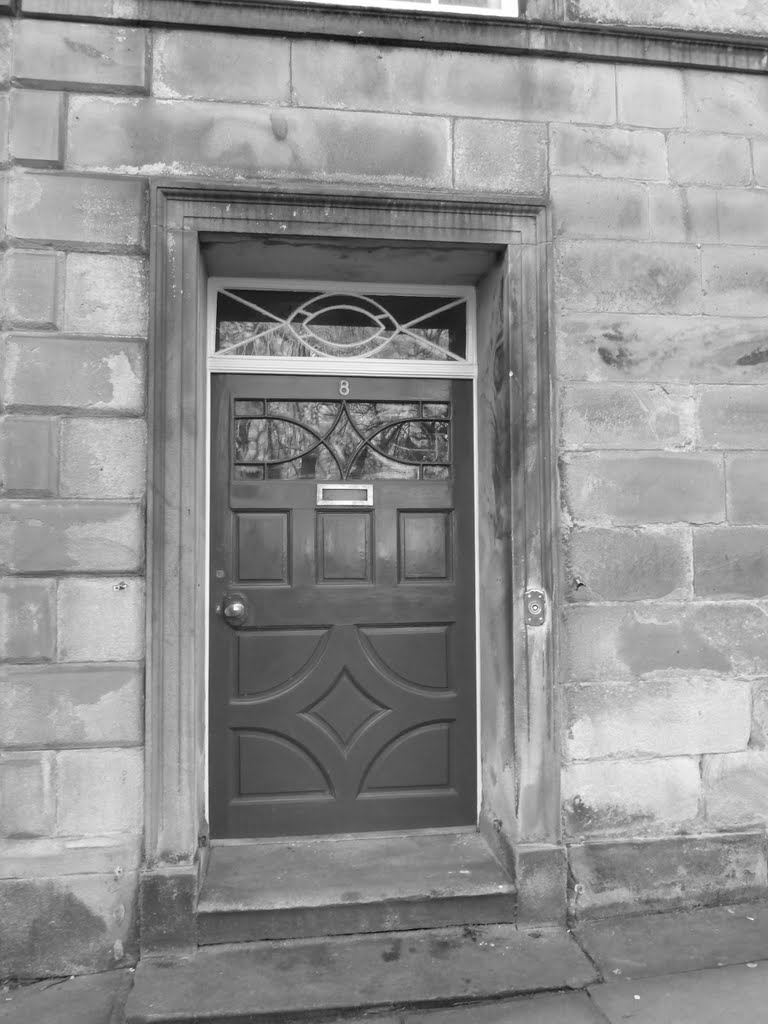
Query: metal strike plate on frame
column 535, row 608
column 345, row 494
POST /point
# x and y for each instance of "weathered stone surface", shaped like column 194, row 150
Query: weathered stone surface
column 726, row 103
column 733, row 417
column 44, row 857
column 650, row 97
column 6, row 49
column 683, row 214
column 5, row 117
column 101, row 619
column 221, row 66
column 760, row 160
column 31, row 282
column 349, row 75
column 101, row 213
column 551, row 1007
column 616, row 416
column 187, row 137
column 608, row 152
column 709, row 159
column 70, row 705
column 747, row 479
column 631, row 277
column 106, row 295
column 99, row 791
column 657, row 718
column 88, row 999
column 594, row 207
column 103, row 458
column 635, row 488
column 759, row 738
column 662, row 641
column 638, row 797
column 27, row 803
column 627, row 564
column 742, row 216
column 674, row 349
column 66, row 925
column 500, row 156
column 704, row 15
column 68, row 54
column 72, row 374
column 662, row 874
column 70, row 536
column 736, row 788
column 29, row 452
column 731, row 561
column 37, row 127
column 27, row 620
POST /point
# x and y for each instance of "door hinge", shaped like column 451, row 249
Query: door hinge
column 202, row 839
column 535, row 608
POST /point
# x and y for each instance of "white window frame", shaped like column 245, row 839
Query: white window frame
column 507, row 8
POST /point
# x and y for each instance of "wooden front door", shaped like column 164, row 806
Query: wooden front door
column 342, row 652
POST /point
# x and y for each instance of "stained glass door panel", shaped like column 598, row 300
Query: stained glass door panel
column 344, row 699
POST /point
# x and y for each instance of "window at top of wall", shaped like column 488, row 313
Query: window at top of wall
column 296, row 322
column 502, row 8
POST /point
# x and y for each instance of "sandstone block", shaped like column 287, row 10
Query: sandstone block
column 758, row 740
column 106, row 295
column 736, row 788
column 102, row 213
column 103, row 458
column 52, row 856
column 705, row 15
column 650, row 97
column 760, row 160
column 604, row 643
column 4, row 129
column 71, row 374
column 65, row 925
column 733, row 417
column 221, row 66
column 631, row 277
column 640, row 797
column 78, row 55
column 619, row 416
column 608, row 152
column 627, row 564
column 29, row 451
column 349, row 75
column 186, row 137
column 70, row 705
column 668, row 348
column 6, row 49
column 27, row 620
column 742, row 216
column 709, row 159
column 37, row 127
column 634, row 488
column 99, row 791
column 735, row 280
column 731, row 561
column 32, row 282
column 100, row 619
column 625, row 876
column 70, row 536
column 500, row 156
column 594, row 207
column 747, row 480
column 726, row 103
column 27, row 803
column 657, row 718
column 683, row 214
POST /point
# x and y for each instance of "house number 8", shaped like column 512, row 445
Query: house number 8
column 344, row 388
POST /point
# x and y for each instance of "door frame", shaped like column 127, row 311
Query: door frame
column 521, row 802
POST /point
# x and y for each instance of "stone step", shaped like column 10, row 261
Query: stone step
column 345, row 976
column 338, row 886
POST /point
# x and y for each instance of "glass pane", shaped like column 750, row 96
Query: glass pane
column 341, row 325
column 249, row 472
column 415, row 441
column 436, row 410
column 270, row 440
column 316, row 465
column 436, row 473
column 372, row 465
column 369, row 417
column 249, row 407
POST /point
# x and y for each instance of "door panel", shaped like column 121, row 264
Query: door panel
column 343, row 698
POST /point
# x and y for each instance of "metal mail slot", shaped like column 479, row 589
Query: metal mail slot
column 345, row 494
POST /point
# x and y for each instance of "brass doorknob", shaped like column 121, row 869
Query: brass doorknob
column 235, row 610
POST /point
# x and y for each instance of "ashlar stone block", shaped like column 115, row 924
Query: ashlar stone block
column 29, row 449
column 747, row 480
column 683, row 214
column 32, row 281
column 100, row 619
column 742, row 216
column 100, row 792
column 27, row 620
column 628, row 564
column 106, row 295
column 37, row 127
column 600, row 416
column 500, row 156
column 735, row 280
column 599, row 208
column 27, row 801
column 731, row 561
column 736, row 788
column 650, row 97
column 103, row 458
column 726, row 103
column 709, row 159
column 733, row 417
column 608, row 152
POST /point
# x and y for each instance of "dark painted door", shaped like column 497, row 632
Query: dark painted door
column 342, row 667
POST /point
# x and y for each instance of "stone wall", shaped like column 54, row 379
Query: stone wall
column 658, row 182
column 743, row 17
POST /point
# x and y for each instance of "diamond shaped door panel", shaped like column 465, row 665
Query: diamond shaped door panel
column 344, row 700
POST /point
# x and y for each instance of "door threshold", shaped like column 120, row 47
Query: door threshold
column 450, row 830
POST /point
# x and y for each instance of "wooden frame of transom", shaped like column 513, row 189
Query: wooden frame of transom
column 520, row 813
